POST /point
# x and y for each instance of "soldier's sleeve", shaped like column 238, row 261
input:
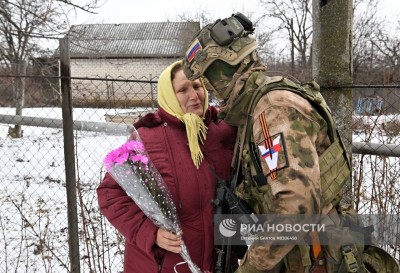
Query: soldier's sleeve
column 286, row 132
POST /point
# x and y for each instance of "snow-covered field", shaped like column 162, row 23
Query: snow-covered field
column 33, row 202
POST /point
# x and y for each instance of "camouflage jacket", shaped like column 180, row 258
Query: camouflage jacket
column 305, row 166
column 299, row 136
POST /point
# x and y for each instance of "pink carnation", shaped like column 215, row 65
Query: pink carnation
column 140, row 158
column 127, row 151
column 122, row 158
column 144, row 160
column 109, row 160
column 117, row 156
column 134, row 145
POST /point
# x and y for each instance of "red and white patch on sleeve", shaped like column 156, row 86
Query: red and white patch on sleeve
column 273, row 153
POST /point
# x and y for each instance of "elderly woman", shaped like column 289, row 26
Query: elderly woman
column 185, row 141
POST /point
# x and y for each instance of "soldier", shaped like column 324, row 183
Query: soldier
column 291, row 158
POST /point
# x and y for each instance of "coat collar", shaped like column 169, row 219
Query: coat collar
column 161, row 116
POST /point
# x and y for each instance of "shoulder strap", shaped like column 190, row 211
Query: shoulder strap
column 243, row 134
column 309, row 91
column 236, row 162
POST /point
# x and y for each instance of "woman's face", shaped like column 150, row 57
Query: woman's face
column 190, row 94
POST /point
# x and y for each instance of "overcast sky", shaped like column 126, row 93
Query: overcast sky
column 135, row 11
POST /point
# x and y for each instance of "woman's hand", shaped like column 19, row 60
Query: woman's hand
column 168, row 241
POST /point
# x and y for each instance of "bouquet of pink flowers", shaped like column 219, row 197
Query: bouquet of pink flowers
column 131, row 167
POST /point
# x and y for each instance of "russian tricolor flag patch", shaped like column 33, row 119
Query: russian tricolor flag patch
column 196, row 46
column 273, row 153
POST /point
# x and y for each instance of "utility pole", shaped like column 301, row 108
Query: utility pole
column 332, row 62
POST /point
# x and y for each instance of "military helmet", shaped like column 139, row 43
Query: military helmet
column 229, row 40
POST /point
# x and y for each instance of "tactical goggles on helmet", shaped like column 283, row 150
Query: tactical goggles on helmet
column 227, row 30
column 227, row 40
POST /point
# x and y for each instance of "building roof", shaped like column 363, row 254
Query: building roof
column 133, row 40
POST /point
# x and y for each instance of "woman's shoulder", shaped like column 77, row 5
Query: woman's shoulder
column 219, row 128
column 212, row 115
column 149, row 120
column 147, row 126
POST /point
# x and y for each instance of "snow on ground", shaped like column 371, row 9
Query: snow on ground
column 33, row 202
column 33, row 208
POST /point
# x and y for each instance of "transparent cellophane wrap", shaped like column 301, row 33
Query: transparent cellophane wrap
column 133, row 170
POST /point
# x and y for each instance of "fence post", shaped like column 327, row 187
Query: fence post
column 152, row 94
column 69, row 156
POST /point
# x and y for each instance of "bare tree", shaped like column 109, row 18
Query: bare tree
column 264, row 33
column 267, row 50
column 375, row 50
column 381, row 61
column 366, row 26
column 295, row 17
column 387, row 52
column 22, row 24
column 201, row 16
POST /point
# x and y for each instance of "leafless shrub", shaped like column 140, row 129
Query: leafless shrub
column 392, row 128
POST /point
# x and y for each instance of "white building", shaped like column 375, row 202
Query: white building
column 134, row 51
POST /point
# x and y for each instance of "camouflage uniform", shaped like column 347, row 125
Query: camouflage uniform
column 302, row 136
column 223, row 55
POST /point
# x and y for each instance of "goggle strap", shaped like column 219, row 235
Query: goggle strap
column 205, row 82
column 236, row 76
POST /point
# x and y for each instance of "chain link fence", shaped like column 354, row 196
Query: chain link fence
column 376, row 175
column 33, row 199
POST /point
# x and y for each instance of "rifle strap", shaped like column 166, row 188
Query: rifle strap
column 241, row 136
column 236, row 162
column 228, row 257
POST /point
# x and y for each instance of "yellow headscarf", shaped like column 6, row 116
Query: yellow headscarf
column 196, row 130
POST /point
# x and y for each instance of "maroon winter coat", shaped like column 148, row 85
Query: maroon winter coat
column 164, row 138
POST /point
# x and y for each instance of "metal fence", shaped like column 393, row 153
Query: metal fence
column 35, row 200
column 34, row 205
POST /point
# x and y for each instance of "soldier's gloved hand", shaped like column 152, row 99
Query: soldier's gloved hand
column 246, row 267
